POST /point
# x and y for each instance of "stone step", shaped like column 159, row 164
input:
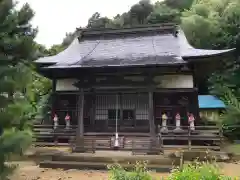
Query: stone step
column 152, row 160
column 217, row 148
column 218, row 156
column 95, row 166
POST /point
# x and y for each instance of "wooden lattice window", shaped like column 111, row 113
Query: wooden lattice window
column 128, row 114
column 112, row 114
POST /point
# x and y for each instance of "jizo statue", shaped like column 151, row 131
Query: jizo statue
column 191, row 120
column 164, row 128
column 178, row 128
column 67, row 121
column 55, row 121
column 178, row 121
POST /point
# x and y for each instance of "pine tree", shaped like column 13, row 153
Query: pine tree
column 16, row 49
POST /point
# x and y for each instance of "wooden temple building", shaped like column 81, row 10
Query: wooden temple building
column 131, row 83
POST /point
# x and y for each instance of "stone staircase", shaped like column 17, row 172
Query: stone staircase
column 100, row 160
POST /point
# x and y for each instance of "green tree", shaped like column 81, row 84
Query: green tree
column 16, row 52
column 163, row 14
column 140, row 11
column 231, row 117
column 55, row 49
column 68, row 39
column 96, row 21
column 216, row 25
column 179, row 4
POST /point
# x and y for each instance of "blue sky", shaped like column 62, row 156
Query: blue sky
column 56, row 17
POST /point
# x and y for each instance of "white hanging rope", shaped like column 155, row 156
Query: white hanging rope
column 116, row 133
column 116, row 113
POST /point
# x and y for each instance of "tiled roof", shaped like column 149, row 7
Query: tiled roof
column 147, row 47
column 210, row 102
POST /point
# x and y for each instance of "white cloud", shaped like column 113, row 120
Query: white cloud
column 56, row 17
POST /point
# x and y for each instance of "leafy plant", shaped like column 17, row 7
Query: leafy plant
column 12, row 142
column 231, row 118
column 16, row 110
column 198, row 171
column 138, row 172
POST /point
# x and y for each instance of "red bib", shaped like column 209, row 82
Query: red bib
column 191, row 118
column 67, row 118
column 55, row 118
column 178, row 116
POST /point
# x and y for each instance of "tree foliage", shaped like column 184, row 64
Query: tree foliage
column 179, row 4
column 163, row 14
column 16, row 53
column 212, row 24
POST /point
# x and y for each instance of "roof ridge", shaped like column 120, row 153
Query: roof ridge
column 129, row 27
column 156, row 28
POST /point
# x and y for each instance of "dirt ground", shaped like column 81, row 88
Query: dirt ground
column 29, row 171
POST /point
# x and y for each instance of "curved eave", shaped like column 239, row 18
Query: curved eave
column 45, row 64
column 47, row 60
column 188, row 52
column 202, row 53
column 71, row 53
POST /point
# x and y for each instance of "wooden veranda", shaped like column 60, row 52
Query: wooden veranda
column 204, row 137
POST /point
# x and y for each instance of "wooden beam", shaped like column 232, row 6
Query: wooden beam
column 121, row 89
column 119, row 79
column 106, row 81
column 86, row 72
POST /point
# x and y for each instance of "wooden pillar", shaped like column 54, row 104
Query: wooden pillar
column 121, row 110
column 195, row 94
column 80, row 128
column 153, row 149
column 150, row 83
column 150, row 115
column 194, row 74
column 93, row 110
column 80, row 114
column 54, row 84
column 196, row 106
column 53, row 108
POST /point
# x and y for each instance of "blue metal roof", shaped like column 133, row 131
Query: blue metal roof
column 210, row 102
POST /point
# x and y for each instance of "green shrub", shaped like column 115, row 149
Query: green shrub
column 138, row 172
column 198, row 171
column 193, row 171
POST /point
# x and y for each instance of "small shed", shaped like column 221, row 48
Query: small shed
column 210, row 106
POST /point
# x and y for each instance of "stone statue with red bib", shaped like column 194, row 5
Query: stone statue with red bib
column 67, row 121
